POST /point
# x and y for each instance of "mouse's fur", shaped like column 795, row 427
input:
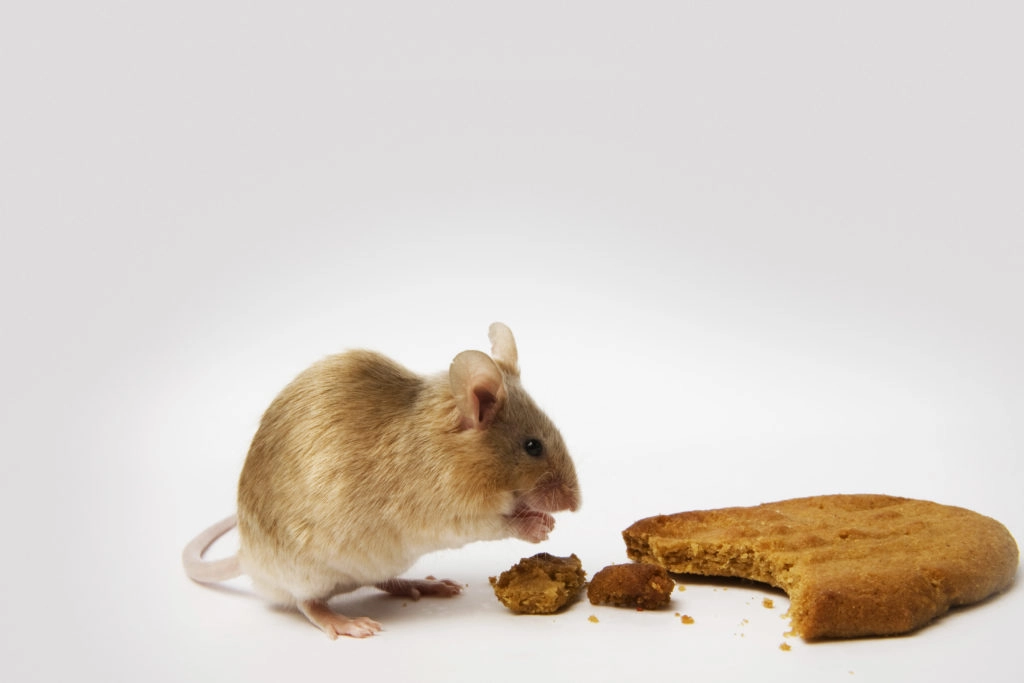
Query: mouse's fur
column 360, row 466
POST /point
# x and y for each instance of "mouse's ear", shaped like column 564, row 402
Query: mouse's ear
column 478, row 388
column 503, row 348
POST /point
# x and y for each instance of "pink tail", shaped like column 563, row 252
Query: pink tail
column 202, row 571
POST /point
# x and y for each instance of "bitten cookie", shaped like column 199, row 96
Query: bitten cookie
column 852, row 565
column 541, row 584
column 645, row 586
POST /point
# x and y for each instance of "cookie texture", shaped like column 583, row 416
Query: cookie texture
column 644, row 586
column 541, row 584
column 852, row 565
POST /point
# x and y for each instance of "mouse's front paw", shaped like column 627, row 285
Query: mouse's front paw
column 532, row 526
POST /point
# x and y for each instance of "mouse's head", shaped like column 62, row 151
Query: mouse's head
column 531, row 459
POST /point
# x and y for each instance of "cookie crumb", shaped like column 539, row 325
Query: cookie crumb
column 785, row 647
column 686, row 619
column 592, row 619
column 643, row 586
column 768, row 603
column 542, row 584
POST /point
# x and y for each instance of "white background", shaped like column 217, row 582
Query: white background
column 750, row 251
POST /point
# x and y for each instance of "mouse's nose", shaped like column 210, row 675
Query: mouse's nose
column 557, row 497
column 574, row 500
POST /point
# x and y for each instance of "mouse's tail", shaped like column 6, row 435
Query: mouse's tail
column 205, row 571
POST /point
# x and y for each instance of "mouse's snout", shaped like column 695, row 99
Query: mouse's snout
column 567, row 496
column 555, row 495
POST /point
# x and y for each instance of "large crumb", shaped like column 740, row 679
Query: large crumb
column 541, row 584
column 645, row 586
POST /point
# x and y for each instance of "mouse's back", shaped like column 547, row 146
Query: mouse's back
column 323, row 410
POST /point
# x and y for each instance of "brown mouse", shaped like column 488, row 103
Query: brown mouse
column 360, row 466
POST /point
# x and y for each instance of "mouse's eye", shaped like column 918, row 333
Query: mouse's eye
column 533, row 447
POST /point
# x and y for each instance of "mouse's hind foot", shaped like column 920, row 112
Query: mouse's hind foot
column 334, row 624
column 417, row 588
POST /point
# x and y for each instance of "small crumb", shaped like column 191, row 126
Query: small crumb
column 744, row 622
column 681, row 588
column 687, row 619
column 785, row 647
column 592, row 619
column 768, row 603
column 431, row 577
column 678, row 614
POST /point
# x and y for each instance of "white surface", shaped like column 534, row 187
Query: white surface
column 748, row 254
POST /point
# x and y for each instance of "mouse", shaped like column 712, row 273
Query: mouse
column 360, row 466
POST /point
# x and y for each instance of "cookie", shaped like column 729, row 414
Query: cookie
column 852, row 565
column 541, row 584
column 644, row 586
